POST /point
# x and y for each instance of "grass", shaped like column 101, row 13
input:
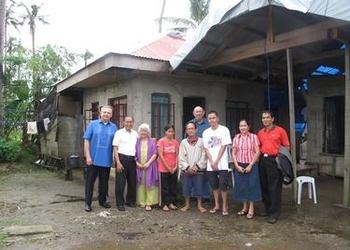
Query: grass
column 3, row 237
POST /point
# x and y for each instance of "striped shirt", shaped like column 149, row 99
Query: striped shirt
column 245, row 147
column 190, row 155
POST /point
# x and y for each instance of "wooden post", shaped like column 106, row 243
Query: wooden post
column 292, row 117
column 346, row 192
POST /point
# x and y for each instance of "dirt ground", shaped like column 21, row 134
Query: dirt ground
column 31, row 196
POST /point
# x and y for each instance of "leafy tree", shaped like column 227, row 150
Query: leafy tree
column 2, row 79
column 17, row 91
column 49, row 65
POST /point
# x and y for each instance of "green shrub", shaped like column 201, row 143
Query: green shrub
column 10, row 150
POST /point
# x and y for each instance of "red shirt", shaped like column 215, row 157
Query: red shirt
column 245, row 145
column 169, row 153
column 272, row 139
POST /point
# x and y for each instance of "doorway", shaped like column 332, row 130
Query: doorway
column 189, row 103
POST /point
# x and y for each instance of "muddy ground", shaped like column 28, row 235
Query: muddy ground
column 32, row 196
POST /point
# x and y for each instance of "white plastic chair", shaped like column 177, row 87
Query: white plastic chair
column 311, row 185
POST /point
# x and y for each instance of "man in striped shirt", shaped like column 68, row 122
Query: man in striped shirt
column 192, row 162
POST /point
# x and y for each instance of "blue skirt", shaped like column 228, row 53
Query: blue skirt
column 247, row 186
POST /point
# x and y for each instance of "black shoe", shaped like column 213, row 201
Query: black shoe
column 206, row 200
column 87, row 208
column 271, row 220
column 121, row 208
column 263, row 214
column 129, row 204
column 105, row 205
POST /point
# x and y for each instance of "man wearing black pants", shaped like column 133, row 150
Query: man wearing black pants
column 124, row 153
column 271, row 137
column 92, row 172
column 98, row 152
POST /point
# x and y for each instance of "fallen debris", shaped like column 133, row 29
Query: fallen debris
column 27, row 230
column 104, row 214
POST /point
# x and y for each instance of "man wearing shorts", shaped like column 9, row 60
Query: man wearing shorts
column 215, row 140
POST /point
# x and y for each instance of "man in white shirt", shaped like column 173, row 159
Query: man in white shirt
column 215, row 139
column 124, row 155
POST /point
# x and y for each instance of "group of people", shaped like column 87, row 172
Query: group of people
column 150, row 169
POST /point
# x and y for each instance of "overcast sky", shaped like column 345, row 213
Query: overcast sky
column 102, row 26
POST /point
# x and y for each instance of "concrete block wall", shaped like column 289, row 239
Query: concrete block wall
column 140, row 88
column 319, row 88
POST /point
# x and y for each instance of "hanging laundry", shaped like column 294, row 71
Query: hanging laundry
column 32, row 128
column 46, row 123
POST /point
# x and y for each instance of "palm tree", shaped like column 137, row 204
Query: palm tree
column 160, row 22
column 2, row 78
column 32, row 17
column 11, row 19
column 86, row 56
column 198, row 8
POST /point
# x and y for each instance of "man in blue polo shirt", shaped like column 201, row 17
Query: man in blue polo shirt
column 98, row 150
column 200, row 121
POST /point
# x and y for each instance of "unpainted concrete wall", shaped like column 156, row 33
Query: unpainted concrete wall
column 319, row 89
column 140, row 88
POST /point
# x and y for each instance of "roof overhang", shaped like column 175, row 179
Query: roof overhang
column 240, row 38
column 104, row 70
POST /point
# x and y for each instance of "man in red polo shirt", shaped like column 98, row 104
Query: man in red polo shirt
column 271, row 137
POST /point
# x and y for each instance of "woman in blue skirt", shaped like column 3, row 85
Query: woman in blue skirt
column 245, row 155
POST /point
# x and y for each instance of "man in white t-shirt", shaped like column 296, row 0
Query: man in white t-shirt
column 124, row 156
column 215, row 139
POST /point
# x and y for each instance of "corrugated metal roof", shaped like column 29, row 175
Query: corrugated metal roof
column 246, row 22
column 161, row 49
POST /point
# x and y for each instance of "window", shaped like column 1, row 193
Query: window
column 119, row 105
column 95, row 110
column 333, row 132
column 91, row 114
column 235, row 111
column 162, row 113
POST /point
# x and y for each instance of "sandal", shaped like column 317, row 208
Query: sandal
column 184, row 209
column 250, row 216
column 202, row 210
column 214, row 210
column 148, row 208
column 224, row 213
column 172, row 207
column 242, row 212
column 166, row 209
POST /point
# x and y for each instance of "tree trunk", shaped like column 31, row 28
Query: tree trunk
column 33, row 42
column 2, row 79
column 161, row 17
